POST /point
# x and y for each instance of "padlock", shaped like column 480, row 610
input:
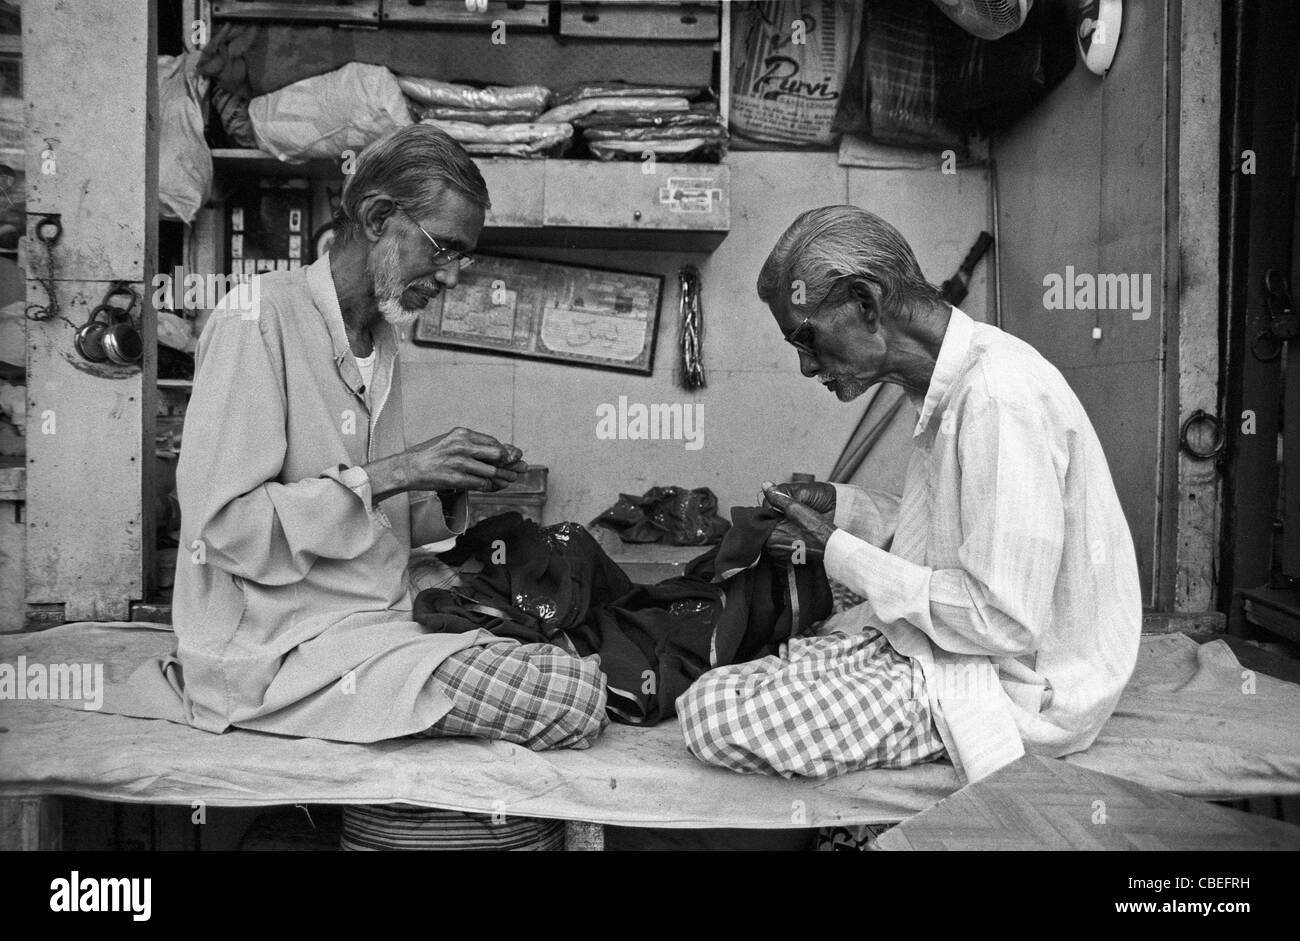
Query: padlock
column 115, row 340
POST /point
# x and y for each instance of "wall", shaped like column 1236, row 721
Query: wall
column 1081, row 183
column 762, row 419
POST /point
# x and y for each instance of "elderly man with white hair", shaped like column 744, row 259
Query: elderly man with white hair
column 1002, row 605
column 301, row 499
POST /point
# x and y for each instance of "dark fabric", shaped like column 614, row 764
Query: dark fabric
column 891, row 93
column 987, row 85
column 670, row 515
column 919, row 80
column 556, row 585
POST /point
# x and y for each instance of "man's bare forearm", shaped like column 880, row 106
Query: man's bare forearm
column 388, row 476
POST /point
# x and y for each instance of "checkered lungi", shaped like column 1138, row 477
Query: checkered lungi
column 537, row 695
column 825, row 706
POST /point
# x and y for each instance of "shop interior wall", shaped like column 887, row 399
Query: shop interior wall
column 762, row 418
column 1081, row 184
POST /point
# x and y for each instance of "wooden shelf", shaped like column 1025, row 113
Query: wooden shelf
column 570, row 203
column 240, row 160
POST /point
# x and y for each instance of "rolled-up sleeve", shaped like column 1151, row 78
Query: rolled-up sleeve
column 998, row 602
column 246, row 522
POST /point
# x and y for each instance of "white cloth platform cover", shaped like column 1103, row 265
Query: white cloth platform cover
column 1186, row 724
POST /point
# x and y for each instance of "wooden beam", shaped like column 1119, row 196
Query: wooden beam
column 92, row 162
column 1193, row 266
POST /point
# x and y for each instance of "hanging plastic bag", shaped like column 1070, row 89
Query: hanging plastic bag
column 321, row 117
column 184, row 160
column 790, row 60
column 892, row 94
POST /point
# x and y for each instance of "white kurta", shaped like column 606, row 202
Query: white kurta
column 1007, row 568
column 292, row 604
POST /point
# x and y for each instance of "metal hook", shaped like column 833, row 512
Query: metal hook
column 1201, row 415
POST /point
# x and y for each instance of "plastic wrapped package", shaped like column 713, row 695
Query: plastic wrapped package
column 578, row 109
column 184, row 160
column 477, row 116
column 696, row 117
column 783, row 91
column 715, row 132
column 321, row 117
column 579, row 92
column 508, row 140
column 430, row 91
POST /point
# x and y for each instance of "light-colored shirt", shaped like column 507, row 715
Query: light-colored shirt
column 366, row 364
column 292, row 605
column 1006, row 568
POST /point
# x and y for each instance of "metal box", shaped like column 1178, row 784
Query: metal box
column 526, row 496
column 676, row 197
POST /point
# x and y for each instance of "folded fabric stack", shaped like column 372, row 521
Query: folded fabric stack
column 499, row 120
column 623, row 122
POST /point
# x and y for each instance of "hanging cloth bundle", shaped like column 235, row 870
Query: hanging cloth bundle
column 690, row 336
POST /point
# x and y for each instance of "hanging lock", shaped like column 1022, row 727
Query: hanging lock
column 115, row 339
column 1282, row 326
column 1283, row 322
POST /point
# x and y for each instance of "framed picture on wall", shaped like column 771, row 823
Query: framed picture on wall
column 546, row 310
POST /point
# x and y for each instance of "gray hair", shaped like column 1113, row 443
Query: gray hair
column 825, row 245
column 411, row 164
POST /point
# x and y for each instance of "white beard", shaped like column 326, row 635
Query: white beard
column 388, row 287
column 394, row 313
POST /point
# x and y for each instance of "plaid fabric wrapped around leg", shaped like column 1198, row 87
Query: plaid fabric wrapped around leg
column 826, row 706
column 536, row 695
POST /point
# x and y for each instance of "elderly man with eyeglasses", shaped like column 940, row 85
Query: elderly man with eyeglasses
column 1002, row 606
column 301, row 500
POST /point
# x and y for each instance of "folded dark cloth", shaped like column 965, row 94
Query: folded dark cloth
column 556, row 585
column 671, row 515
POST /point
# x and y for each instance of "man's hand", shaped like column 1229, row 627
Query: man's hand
column 461, row 459
column 803, row 525
column 816, row 495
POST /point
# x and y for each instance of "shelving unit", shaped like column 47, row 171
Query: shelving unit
column 536, row 203
column 568, row 203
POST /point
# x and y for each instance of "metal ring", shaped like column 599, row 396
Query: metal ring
column 49, row 229
column 1200, row 415
column 1274, row 351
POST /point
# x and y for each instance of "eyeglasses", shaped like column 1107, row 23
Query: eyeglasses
column 442, row 256
column 802, row 338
